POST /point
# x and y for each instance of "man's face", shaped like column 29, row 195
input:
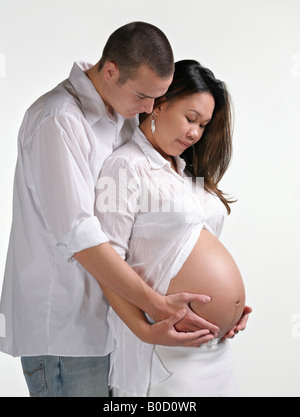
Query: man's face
column 138, row 95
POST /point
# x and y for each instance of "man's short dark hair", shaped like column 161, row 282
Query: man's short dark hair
column 137, row 44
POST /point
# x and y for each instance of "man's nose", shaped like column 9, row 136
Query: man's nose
column 148, row 104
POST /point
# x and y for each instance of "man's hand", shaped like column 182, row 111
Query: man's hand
column 164, row 333
column 241, row 324
column 191, row 321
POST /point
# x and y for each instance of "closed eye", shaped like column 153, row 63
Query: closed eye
column 191, row 121
column 194, row 121
column 144, row 96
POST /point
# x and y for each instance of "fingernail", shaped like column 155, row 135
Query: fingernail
column 182, row 312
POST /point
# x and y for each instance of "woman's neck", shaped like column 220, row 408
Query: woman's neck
column 150, row 137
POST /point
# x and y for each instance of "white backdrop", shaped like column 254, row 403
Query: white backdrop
column 255, row 47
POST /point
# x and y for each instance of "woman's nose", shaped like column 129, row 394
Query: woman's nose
column 194, row 134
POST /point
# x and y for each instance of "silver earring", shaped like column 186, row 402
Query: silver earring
column 153, row 127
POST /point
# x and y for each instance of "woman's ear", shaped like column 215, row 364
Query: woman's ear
column 162, row 107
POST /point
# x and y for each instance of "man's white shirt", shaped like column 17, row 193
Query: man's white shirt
column 50, row 305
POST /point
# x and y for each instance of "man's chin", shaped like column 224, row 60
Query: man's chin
column 133, row 114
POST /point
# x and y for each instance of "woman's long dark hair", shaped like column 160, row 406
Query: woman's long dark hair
column 211, row 156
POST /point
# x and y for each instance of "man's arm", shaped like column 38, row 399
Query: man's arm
column 162, row 333
column 112, row 272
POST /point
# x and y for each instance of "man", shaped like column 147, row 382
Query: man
column 54, row 309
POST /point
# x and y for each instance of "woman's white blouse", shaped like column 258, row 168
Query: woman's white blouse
column 153, row 217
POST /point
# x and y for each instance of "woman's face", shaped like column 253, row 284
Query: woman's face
column 181, row 123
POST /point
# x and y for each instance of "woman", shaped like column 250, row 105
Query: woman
column 167, row 226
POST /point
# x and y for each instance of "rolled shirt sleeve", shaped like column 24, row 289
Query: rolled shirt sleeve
column 118, row 196
column 62, row 185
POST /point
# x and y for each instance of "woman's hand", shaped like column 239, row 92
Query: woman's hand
column 241, row 324
column 164, row 333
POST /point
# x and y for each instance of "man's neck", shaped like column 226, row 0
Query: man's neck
column 99, row 83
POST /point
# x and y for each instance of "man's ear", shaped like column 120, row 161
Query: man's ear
column 111, row 72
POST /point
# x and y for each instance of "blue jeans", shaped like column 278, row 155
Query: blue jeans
column 62, row 376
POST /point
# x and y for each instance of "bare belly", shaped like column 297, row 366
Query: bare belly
column 211, row 270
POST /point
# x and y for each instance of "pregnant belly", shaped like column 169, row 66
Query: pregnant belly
column 211, row 270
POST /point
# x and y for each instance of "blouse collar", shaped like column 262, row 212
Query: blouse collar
column 155, row 159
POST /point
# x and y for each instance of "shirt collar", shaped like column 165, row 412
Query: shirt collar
column 92, row 103
column 155, row 159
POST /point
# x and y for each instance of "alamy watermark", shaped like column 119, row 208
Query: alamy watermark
column 296, row 65
column 148, row 194
column 296, row 325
